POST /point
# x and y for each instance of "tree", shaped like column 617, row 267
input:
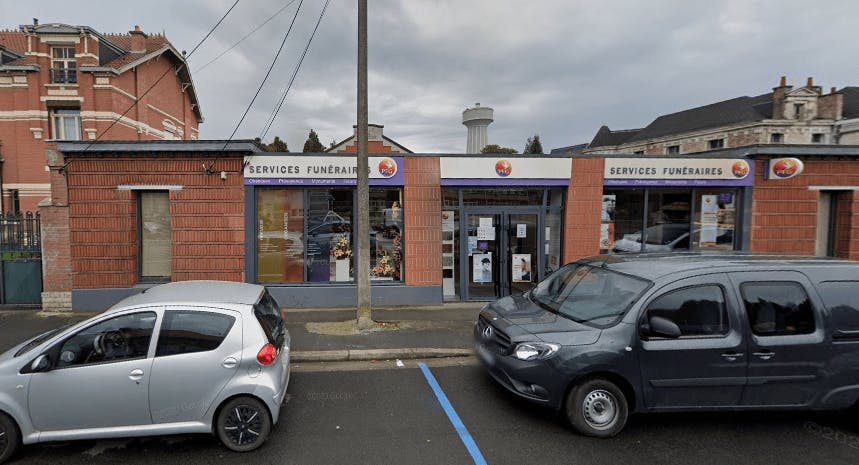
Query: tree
column 495, row 148
column 277, row 145
column 312, row 144
column 533, row 145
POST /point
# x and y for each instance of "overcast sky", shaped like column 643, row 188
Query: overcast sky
column 560, row 69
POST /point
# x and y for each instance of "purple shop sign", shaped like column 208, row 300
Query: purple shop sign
column 504, row 182
column 393, row 181
column 747, row 181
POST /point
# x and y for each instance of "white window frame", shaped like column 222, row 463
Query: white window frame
column 58, row 127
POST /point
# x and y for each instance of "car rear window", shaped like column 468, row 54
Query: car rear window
column 842, row 300
column 185, row 332
column 268, row 314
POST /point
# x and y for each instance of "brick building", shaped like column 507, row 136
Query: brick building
column 61, row 82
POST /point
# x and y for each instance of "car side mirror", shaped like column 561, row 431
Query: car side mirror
column 663, row 327
column 40, row 364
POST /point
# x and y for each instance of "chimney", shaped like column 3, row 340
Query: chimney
column 138, row 40
column 779, row 94
column 831, row 105
column 35, row 21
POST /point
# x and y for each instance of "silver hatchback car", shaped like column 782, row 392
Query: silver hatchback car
column 185, row 357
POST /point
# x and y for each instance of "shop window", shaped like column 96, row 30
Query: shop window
column 66, row 124
column 329, row 242
column 154, row 235
column 715, row 219
column 280, row 229
column 63, row 67
column 667, row 221
column 386, row 234
column 621, row 220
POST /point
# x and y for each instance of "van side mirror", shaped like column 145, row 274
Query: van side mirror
column 663, row 327
column 40, row 364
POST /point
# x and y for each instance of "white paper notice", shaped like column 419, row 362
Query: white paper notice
column 521, row 230
column 548, row 233
column 486, row 234
column 486, row 222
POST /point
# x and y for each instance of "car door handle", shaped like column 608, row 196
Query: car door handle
column 136, row 375
column 765, row 355
column 731, row 356
column 229, row 362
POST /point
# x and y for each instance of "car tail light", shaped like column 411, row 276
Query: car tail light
column 267, row 355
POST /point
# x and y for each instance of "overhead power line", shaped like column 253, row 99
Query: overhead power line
column 267, row 74
column 179, row 68
column 274, row 113
column 278, row 12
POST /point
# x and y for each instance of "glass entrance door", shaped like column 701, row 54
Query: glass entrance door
column 502, row 253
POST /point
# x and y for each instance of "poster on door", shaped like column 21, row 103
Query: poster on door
column 482, row 268
column 521, row 268
column 709, row 218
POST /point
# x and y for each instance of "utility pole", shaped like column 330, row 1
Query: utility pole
column 362, row 268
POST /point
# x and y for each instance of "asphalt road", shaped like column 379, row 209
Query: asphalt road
column 365, row 413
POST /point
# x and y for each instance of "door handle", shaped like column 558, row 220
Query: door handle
column 136, row 374
column 764, row 355
column 229, row 363
column 731, row 356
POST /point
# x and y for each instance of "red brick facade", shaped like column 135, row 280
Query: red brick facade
column 422, row 222
column 101, row 93
column 206, row 213
column 583, row 209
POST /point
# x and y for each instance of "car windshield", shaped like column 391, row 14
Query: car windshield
column 588, row 294
column 38, row 340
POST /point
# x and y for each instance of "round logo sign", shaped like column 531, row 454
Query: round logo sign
column 784, row 168
column 387, row 167
column 503, row 168
column 740, row 168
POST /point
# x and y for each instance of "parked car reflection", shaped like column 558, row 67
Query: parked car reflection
column 667, row 237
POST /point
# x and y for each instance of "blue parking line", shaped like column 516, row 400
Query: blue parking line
column 453, row 417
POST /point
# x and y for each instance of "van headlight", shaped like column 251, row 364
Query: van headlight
column 535, row 350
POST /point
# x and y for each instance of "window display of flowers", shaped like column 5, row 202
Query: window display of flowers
column 342, row 249
column 383, row 266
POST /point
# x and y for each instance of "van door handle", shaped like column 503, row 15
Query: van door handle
column 764, row 355
column 229, row 363
column 731, row 356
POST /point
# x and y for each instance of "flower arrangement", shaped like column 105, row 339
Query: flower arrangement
column 383, row 266
column 341, row 248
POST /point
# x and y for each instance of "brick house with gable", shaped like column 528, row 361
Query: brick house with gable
column 63, row 82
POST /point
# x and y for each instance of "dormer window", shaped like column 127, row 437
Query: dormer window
column 672, row 150
column 798, row 109
column 63, row 66
column 714, row 144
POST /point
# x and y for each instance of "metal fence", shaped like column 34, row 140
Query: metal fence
column 20, row 235
column 20, row 258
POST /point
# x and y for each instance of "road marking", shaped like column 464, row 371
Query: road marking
column 453, row 417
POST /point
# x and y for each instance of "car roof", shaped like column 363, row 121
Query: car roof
column 654, row 266
column 197, row 292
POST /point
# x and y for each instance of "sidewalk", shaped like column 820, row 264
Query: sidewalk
column 322, row 334
column 400, row 333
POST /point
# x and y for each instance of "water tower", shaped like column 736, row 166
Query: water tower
column 476, row 120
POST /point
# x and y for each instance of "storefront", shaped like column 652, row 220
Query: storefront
column 303, row 212
column 502, row 223
column 675, row 204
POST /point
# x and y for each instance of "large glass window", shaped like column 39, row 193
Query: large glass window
column 675, row 220
column 386, row 234
column 306, row 235
column 280, row 229
column 63, row 67
column 155, row 235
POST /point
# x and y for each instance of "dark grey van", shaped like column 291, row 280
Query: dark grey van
column 614, row 334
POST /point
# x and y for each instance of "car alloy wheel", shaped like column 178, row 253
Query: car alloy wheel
column 243, row 424
column 9, row 439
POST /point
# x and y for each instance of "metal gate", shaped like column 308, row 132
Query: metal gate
column 20, row 259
